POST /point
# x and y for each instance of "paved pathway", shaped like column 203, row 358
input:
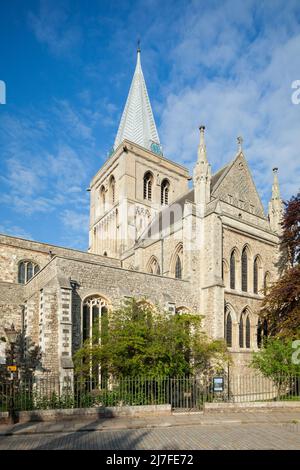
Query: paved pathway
column 255, row 430
column 234, row 436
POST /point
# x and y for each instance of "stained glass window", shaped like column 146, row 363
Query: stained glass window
column 232, row 270
column 244, row 270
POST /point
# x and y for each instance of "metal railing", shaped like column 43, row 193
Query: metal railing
column 183, row 393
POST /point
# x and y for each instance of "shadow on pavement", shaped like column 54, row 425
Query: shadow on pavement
column 84, row 438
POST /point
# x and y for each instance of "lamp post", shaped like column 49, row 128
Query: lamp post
column 11, row 334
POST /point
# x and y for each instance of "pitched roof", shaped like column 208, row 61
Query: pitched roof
column 137, row 123
column 238, row 177
column 171, row 214
column 174, row 212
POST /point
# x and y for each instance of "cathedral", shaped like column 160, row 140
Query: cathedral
column 208, row 248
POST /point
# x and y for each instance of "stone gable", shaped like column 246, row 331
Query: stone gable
column 237, row 188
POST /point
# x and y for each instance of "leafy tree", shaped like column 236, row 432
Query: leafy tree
column 290, row 240
column 275, row 361
column 28, row 356
column 281, row 305
column 25, row 355
column 139, row 340
column 276, row 358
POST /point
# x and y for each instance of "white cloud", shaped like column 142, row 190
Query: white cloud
column 9, row 228
column 232, row 71
column 72, row 119
column 47, row 166
column 51, row 26
column 76, row 221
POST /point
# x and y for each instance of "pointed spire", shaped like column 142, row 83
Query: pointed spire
column 138, row 57
column 202, row 174
column 137, row 123
column 240, row 141
column 202, row 147
column 275, row 205
column 275, row 186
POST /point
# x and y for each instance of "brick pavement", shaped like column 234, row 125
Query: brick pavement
column 222, row 436
column 247, row 430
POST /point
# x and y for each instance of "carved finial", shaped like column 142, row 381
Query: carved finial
column 275, row 187
column 276, row 205
column 202, row 146
column 240, row 141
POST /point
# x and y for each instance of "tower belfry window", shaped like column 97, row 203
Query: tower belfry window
column 148, row 181
column 112, row 185
column 164, row 195
column 102, row 197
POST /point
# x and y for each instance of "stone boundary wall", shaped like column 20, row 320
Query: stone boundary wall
column 89, row 413
column 250, row 406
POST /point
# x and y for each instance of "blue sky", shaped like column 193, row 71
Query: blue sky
column 68, row 65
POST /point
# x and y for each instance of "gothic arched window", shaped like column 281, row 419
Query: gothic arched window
column 244, row 270
column 102, row 197
column 255, row 276
column 178, row 268
column 232, row 270
column 153, row 266
column 148, row 181
column 164, row 194
column 26, row 270
column 245, row 329
column 248, row 332
column 92, row 311
column 241, row 332
column 228, row 329
column 112, row 187
column 95, row 330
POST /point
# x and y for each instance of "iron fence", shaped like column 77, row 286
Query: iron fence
column 182, row 393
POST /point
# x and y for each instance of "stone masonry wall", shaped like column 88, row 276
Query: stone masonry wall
column 13, row 250
column 11, row 299
column 114, row 284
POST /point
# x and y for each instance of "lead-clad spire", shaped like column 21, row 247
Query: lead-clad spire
column 137, row 123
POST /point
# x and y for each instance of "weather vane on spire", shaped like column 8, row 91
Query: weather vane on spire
column 139, row 45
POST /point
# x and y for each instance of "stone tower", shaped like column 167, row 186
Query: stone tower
column 136, row 180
